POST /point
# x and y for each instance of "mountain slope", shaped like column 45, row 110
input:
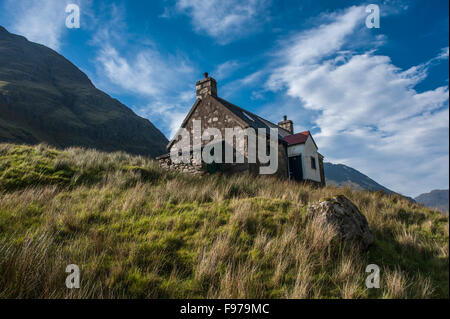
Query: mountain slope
column 435, row 199
column 45, row 98
column 342, row 175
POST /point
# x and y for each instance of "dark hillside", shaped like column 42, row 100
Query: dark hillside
column 45, row 98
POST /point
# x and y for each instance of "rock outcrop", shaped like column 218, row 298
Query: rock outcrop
column 340, row 213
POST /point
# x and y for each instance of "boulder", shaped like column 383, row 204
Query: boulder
column 340, row 213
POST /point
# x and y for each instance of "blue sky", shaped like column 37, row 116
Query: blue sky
column 375, row 99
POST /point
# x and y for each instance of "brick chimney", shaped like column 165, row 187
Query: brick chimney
column 287, row 125
column 206, row 86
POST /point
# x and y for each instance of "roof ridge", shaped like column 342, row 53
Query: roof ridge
column 241, row 108
column 251, row 113
column 307, row 132
column 279, row 127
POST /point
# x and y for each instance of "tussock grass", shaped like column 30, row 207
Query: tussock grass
column 137, row 231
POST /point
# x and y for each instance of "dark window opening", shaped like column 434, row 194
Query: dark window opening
column 313, row 162
column 295, row 168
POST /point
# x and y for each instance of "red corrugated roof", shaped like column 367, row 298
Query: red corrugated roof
column 298, row 138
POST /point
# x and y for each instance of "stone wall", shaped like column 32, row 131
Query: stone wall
column 213, row 115
column 226, row 168
column 191, row 168
column 282, row 171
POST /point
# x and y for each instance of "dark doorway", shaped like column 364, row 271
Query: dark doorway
column 295, row 168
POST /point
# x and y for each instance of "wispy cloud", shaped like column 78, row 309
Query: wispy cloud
column 146, row 72
column 367, row 111
column 226, row 69
column 444, row 54
column 249, row 81
column 224, row 20
column 162, row 82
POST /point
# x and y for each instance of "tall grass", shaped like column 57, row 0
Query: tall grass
column 137, row 231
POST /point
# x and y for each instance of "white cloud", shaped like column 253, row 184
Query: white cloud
column 232, row 88
column 170, row 116
column 226, row 69
column 369, row 114
column 156, row 78
column 443, row 54
column 147, row 72
column 224, row 20
column 163, row 83
column 39, row 21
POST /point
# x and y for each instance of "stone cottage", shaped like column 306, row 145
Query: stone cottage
column 297, row 154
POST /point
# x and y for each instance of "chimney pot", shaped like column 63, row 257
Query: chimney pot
column 206, row 86
column 288, row 125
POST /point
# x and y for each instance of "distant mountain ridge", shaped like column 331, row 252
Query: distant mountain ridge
column 342, row 175
column 437, row 199
column 45, row 98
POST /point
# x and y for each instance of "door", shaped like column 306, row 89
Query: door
column 212, row 167
column 295, row 168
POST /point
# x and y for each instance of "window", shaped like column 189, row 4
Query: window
column 313, row 162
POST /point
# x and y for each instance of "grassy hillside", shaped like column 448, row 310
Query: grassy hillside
column 139, row 232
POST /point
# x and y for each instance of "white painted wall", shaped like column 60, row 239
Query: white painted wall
column 307, row 150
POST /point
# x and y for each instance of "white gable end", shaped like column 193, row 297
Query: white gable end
column 307, row 150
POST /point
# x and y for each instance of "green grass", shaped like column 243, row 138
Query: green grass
column 137, row 231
